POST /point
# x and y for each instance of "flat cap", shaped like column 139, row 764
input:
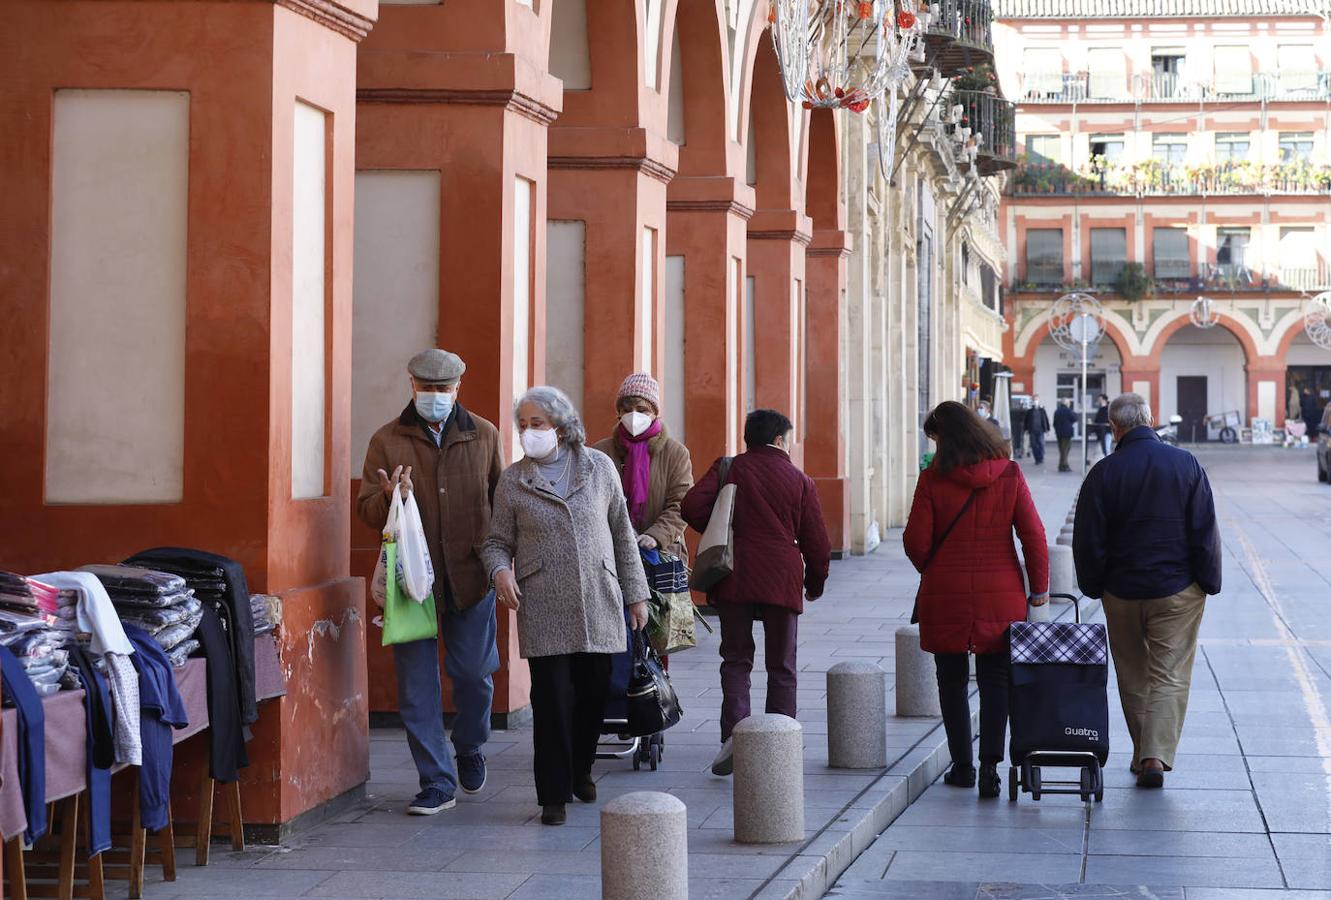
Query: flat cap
column 436, row 367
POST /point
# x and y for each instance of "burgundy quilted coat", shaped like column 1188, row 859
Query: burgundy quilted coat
column 973, row 588
column 781, row 543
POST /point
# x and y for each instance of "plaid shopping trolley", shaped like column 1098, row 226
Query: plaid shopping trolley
column 1059, row 709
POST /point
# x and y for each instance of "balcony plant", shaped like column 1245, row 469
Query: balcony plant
column 1133, row 283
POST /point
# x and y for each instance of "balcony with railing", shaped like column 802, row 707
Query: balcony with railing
column 1153, row 177
column 959, row 35
column 993, row 122
column 1179, row 277
column 1168, row 87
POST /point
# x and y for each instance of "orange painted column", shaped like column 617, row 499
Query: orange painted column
column 616, row 185
column 777, row 240
column 1138, row 369
column 1266, row 368
column 707, row 226
column 461, row 88
column 825, row 445
column 244, row 67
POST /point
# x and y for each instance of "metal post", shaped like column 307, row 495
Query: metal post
column 1085, row 424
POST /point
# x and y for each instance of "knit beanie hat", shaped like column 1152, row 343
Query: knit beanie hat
column 641, row 384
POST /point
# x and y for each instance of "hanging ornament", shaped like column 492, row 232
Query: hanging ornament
column 1075, row 319
column 1317, row 320
column 843, row 54
column 885, row 127
column 1203, row 313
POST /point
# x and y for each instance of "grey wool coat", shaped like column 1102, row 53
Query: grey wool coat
column 576, row 560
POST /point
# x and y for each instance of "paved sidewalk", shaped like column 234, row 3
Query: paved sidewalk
column 492, row 845
column 1247, row 812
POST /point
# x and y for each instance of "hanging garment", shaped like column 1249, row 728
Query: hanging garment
column 101, row 750
column 97, row 616
column 123, row 679
column 31, row 741
column 221, row 583
column 162, row 710
column 224, row 727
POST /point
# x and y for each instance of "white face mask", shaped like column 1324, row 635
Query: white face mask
column 538, row 444
column 635, row 423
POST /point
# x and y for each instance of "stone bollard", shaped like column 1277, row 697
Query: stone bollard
column 916, row 678
column 769, row 780
column 856, row 716
column 644, row 847
column 1062, row 571
column 1064, row 540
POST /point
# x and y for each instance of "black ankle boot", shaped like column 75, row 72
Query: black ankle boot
column 990, row 783
column 958, row 776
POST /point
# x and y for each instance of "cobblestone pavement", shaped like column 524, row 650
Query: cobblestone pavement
column 1247, row 812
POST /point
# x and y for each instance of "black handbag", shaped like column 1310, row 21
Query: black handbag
column 653, row 705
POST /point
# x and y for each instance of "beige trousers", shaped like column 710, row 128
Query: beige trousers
column 1153, row 643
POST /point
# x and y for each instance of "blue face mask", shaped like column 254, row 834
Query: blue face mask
column 434, row 407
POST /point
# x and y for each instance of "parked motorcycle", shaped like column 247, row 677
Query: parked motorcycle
column 1169, row 433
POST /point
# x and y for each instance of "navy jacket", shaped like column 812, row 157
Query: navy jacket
column 1065, row 422
column 1145, row 525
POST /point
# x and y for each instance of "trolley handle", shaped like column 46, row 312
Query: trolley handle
column 1076, row 603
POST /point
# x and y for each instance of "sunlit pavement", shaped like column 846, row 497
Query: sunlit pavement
column 1247, row 811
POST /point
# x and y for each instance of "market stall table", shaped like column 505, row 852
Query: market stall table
column 66, row 737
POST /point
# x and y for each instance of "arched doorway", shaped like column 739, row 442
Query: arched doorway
column 1306, row 366
column 1202, row 373
column 1058, row 374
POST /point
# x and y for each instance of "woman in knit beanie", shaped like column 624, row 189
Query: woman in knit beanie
column 655, row 468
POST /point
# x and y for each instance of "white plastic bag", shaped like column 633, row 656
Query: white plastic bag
column 415, row 572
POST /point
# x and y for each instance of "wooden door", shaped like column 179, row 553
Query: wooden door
column 1192, row 407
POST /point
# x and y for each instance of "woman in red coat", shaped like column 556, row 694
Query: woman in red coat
column 959, row 537
column 782, row 554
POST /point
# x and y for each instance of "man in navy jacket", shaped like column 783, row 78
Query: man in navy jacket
column 1065, row 423
column 1145, row 540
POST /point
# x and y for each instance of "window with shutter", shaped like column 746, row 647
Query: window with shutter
column 1233, row 69
column 1298, row 68
column 1109, row 252
column 1044, row 255
column 1108, row 73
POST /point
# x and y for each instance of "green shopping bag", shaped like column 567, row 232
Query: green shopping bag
column 404, row 618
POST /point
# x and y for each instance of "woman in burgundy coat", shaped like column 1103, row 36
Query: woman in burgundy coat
column 782, row 554
column 959, row 537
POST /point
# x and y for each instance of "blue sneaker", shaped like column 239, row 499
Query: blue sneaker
column 471, row 772
column 430, row 801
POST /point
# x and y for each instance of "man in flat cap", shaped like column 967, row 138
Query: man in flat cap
column 449, row 458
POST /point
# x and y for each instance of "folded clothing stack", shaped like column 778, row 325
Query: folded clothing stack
column 158, row 602
column 39, row 646
column 26, row 595
column 267, row 611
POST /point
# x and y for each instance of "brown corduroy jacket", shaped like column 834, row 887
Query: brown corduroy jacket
column 672, row 476
column 454, row 486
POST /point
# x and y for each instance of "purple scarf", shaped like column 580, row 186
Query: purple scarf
column 637, row 474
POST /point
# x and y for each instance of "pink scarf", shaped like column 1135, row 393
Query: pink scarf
column 637, row 474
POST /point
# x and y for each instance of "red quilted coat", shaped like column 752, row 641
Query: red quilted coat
column 973, row 588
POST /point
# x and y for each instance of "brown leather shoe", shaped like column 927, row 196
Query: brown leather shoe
column 1152, row 774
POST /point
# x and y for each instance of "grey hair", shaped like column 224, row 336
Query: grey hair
column 559, row 409
column 1129, row 411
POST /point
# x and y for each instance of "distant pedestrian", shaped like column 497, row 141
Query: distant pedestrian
column 655, row 469
column 564, row 556
column 1145, row 540
column 1037, row 426
column 1312, row 413
column 1102, row 430
column 782, row 555
column 959, row 537
column 985, row 410
column 453, row 457
column 1065, row 424
column 1017, row 414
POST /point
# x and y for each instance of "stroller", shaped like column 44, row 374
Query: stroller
column 615, row 723
column 1059, row 710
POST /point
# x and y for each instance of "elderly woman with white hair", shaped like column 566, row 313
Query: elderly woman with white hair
column 563, row 554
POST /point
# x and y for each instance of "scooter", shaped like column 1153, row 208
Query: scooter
column 1169, row 433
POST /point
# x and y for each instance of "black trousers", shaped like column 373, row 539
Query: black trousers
column 991, row 673
column 568, row 694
